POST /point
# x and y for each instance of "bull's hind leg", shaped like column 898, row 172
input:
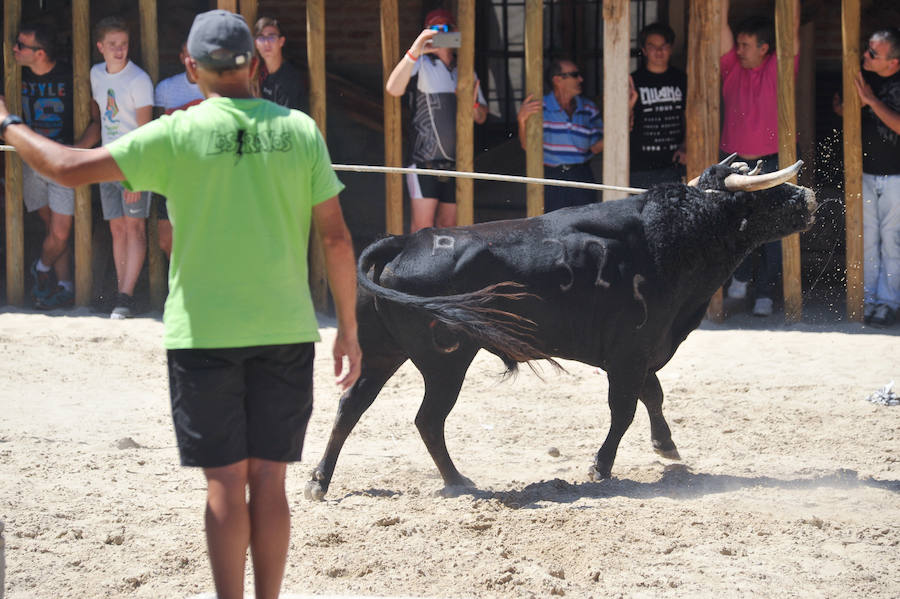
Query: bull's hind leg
column 660, row 435
column 444, row 377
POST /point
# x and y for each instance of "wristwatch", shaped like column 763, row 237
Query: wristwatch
column 10, row 120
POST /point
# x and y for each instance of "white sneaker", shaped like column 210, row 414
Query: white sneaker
column 762, row 307
column 737, row 289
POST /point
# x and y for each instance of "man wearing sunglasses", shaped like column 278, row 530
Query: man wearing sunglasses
column 47, row 108
column 573, row 133
column 878, row 86
column 749, row 69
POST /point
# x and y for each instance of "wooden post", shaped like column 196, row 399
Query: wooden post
column 787, row 151
column 393, row 141
column 616, row 52
column 534, row 86
column 231, row 5
column 15, row 225
column 150, row 51
column 702, row 110
column 465, row 126
column 81, row 99
column 250, row 10
column 806, row 101
column 850, row 14
column 315, row 50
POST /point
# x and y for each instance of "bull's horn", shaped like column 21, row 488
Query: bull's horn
column 728, row 160
column 757, row 168
column 693, row 182
column 735, row 182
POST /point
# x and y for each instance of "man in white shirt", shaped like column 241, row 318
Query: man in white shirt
column 126, row 94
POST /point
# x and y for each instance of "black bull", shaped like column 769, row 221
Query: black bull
column 617, row 285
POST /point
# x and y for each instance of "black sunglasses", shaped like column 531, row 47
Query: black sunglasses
column 871, row 53
column 572, row 74
column 22, row 46
column 443, row 28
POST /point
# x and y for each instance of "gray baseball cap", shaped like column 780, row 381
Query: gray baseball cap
column 220, row 39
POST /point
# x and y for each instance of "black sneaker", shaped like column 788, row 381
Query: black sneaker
column 883, row 317
column 124, row 307
column 44, row 284
column 60, row 298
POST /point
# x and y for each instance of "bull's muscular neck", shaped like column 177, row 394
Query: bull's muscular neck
column 694, row 239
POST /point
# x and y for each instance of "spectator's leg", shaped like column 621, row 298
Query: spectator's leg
column 871, row 240
column 422, row 212
column 769, row 270
column 889, row 219
column 119, row 248
column 446, row 214
column 135, row 252
column 55, row 251
column 227, row 527
column 270, row 525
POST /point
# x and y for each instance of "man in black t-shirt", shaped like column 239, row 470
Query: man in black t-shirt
column 279, row 80
column 878, row 86
column 47, row 108
column 659, row 95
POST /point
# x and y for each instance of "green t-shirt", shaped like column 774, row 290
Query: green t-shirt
column 241, row 177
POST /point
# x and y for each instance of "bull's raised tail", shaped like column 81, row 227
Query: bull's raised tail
column 474, row 314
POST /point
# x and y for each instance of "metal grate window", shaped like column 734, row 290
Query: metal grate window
column 572, row 28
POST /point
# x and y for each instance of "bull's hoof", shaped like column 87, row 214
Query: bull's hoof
column 667, row 450
column 596, row 473
column 314, row 491
column 464, row 486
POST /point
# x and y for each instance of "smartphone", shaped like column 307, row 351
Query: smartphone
column 447, row 40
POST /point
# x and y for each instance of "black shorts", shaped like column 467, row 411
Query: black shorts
column 430, row 186
column 231, row 404
column 161, row 207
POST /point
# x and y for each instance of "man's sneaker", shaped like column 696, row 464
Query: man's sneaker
column 883, row 317
column 737, row 289
column 124, row 307
column 762, row 307
column 60, row 298
column 869, row 312
column 43, row 282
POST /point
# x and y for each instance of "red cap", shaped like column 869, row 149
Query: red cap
column 439, row 16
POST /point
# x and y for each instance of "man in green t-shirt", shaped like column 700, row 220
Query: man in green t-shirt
column 244, row 178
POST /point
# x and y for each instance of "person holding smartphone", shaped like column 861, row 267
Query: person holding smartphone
column 433, row 130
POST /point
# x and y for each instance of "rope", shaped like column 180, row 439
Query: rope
column 361, row 168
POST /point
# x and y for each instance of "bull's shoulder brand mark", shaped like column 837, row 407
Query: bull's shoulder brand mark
column 242, row 142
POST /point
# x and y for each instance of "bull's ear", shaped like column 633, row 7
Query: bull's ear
column 735, row 182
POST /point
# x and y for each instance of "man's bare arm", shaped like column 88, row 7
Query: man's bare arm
column 67, row 166
column 340, row 263
column 726, row 37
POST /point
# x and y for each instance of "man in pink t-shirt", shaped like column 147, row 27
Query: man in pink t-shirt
column 749, row 71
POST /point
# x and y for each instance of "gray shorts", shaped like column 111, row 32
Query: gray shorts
column 40, row 191
column 114, row 205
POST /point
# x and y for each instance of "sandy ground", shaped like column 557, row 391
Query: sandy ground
column 790, row 484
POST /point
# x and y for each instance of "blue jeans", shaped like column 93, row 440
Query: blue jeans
column 881, row 239
column 563, row 197
column 769, row 269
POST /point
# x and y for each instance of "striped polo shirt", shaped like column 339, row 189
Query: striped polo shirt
column 568, row 140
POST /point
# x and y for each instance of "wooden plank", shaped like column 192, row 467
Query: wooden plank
column 465, row 126
column 787, row 151
column 231, row 5
column 534, row 86
column 702, row 110
column 393, row 135
column 15, row 224
column 315, row 50
column 616, row 52
column 81, row 67
column 250, row 10
column 156, row 264
column 850, row 15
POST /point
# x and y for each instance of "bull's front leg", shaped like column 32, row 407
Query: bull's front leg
column 660, row 435
column 625, row 385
